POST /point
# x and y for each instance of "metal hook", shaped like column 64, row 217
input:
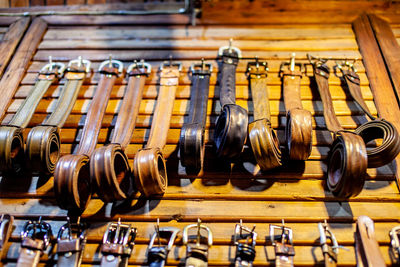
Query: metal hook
column 198, row 231
column 50, row 63
column 110, row 61
column 157, row 228
column 292, row 61
column 170, row 60
column 230, row 45
column 203, row 65
column 79, row 61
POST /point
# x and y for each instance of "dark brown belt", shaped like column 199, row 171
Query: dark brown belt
column 263, row 139
column 197, row 252
column 245, row 242
column 109, row 166
column 43, row 143
column 368, row 253
column 330, row 252
column 149, row 164
column 72, row 185
column 284, row 250
column 347, row 158
column 11, row 139
column 6, row 227
column 298, row 130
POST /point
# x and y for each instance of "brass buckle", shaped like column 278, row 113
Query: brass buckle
column 37, row 230
column 292, row 64
column 394, row 240
column 199, row 226
column 121, row 234
column 201, row 68
column 6, row 224
column 56, row 68
column 79, row 62
column 112, row 63
column 137, row 65
column 326, row 234
column 261, row 68
column 230, row 48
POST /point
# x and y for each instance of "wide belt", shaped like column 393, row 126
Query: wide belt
column 11, row 138
column 329, row 252
column 347, row 158
column 109, row 166
column 298, row 130
column 231, row 127
column 284, row 250
column 157, row 254
column 72, row 185
column 197, row 252
column 43, row 143
column 368, row 253
column 191, row 141
column 263, row 139
column 6, row 227
column 245, row 242
column 149, row 163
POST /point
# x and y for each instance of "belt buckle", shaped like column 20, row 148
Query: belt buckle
column 261, row 68
column 164, row 231
column 326, row 234
column 245, row 251
column 37, row 230
column 230, row 48
column 120, row 234
column 6, row 224
column 291, row 65
column 283, row 246
column 137, row 66
column 395, row 241
column 50, row 68
column 201, row 68
column 112, row 63
column 79, row 62
column 72, row 230
column 199, row 226
column 170, row 64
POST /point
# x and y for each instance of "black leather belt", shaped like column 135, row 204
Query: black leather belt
column 157, row 254
column 330, row 252
column 231, row 127
column 245, row 242
column 197, row 252
column 191, row 142
column 6, row 226
column 284, row 250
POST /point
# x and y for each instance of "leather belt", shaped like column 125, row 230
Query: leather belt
column 72, row 185
column 330, row 252
column 109, row 166
column 284, row 250
column 263, row 139
column 35, row 240
column 157, row 255
column 347, row 158
column 191, row 142
column 149, row 163
column 43, row 143
column 196, row 252
column 71, row 241
column 6, row 226
column 231, row 127
column 11, row 139
column 245, row 251
column 298, row 130
column 118, row 242
column 368, row 253
column 395, row 244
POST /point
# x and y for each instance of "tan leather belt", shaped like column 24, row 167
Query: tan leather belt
column 149, row 164
column 43, row 143
column 72, row 185
column 263, row 139
column 109, row 167
column 6, row 227
column 330, row 252
column 298, row 130
column 284, row 250
column 245, row 242
column 197, row 252
column 368, row 253
column 11, row 139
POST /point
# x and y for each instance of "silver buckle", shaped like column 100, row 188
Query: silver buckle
column 346, row 64
column 199, row 226
column 394, row 240
column 137, row 65
column 259, row 66
column 53, row 67
column 118, row 233
column 37, row 230
column 79, row 62
column 286, row 233
column 230, row 48
column 292, row 64
column 172, row 232
column 324, row 234
column 69, row 229
column 111, row 63
column 244, row 233
column 193, row 67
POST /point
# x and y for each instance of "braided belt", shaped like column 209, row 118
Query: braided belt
column 157, row 255
column 196, row 252
column 149, row 164
column 245, row 242
column 330, row 252
column 191, row 142
column 109, row 166
column 284, row 250
column 11, row 139
column 43, row 143
column 263, row 139
column 72, row 185
column 231, row 127
column 6, row 227
column 298, row 130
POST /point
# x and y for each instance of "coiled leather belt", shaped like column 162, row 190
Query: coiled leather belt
column 72, row 185
column 263, row 140
column 298, row 130
column 231, row 127
column 109, row 166
column 191, row 141
column 149, row 164
column 11, row 139
column 43, row 143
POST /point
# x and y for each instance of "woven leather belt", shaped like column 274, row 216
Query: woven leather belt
column 197, row 252
column 245, row 242
column 191, row 142
column 118, row 242
column 368, row 253
column 109, row 166
column 72, row 185
column 284, row 250
column 330, row 252
column 347, row 158
column 6, row 226
column 149, row 164
column 231, row 127
column 157, row 254
column 35, row 240
column 11, row 139
column 43, row 143
column 298, row 130
column 263, row 139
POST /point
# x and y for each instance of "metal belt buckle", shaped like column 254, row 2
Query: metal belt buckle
column 230, row 48
column 56, row 68
column 37, row 230
column 201, row 68
column 261, row 68
column 6, row 224
column 118, row 235
column 394, row 241
column 283, row 245
column 316, row 61
column 71, row 231
column 112, row 63
column 291, row 65
column 79, row 62
column 326, row 234
column 170, row 64
column 170, row 232
column 199, row 226
column 245, row 252
column 137, row 66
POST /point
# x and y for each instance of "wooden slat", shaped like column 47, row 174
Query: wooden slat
column 4, row 4
column 19, row 3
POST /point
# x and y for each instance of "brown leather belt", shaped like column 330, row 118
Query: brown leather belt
column 197, row 252
column 11, row 139
column 149, row 164
column 298, row 130
column 263, row 139
column 43, row 143
column 72, row 185
column 284, row 250
column 109, row 166
column 347, row 158
column 6, row 227
column 368, row 253
column 330, row 252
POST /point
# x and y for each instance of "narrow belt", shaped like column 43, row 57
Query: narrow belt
column 347, row 158
column 231, row 127
column 149, row 163
column 368, row 253
column 191, row 142
column 35, row 240
column 109, row 166
column 245, row 242
column 11, row 139
column 72, row 185
column 6, row 226
column 43, row 143
column 298, row 130
column 263, row 139
column 196, row 252
column 157, row 255
column 284, row 250
column 330, row 252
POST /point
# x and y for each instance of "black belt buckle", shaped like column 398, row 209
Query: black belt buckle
column 245, row 242
column 38, row 232
column 284, row 244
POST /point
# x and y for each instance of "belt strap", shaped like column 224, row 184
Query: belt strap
column 284, row 250
column 368, row 253
column 191, row 141
column 196, row 255
column 6, row 226
column 149, row 164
